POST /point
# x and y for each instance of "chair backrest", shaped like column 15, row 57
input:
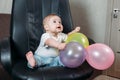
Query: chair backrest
column 26, row 21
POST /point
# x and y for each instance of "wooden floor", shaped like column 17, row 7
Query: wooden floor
column 104, row 77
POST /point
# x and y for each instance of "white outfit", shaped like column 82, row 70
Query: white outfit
column 48, row 56
column 44, row 50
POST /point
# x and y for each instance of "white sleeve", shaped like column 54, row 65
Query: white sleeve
column 64, row 36
column 44, row 37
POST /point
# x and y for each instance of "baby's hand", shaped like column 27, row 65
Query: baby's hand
column 61, row 46
column 77, row 29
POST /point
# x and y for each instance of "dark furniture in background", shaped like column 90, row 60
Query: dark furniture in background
column 4, row 25
column 25, row 32
column 4, row 32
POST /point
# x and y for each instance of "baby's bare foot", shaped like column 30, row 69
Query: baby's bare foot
column 30, row 59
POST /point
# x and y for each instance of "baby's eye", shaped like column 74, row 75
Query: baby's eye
column 60, row 22
column 54, row 21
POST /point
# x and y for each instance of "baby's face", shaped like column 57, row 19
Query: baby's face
column 55, row 25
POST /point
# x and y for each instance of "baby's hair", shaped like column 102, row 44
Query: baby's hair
column 47, row 18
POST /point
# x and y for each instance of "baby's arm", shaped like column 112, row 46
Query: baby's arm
column 77, row 29
column 53, row 43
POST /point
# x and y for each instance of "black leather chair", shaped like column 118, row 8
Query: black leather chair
column 25, row 32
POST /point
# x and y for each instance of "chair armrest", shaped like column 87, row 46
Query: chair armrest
column 5, row 54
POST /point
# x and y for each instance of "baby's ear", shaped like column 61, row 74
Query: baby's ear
column 46, row 27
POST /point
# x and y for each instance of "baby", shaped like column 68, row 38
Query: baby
column 47, row 53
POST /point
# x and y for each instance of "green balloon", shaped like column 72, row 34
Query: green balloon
column 78, row 37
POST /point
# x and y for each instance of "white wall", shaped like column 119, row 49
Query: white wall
column 5, row 6
column 91, row 16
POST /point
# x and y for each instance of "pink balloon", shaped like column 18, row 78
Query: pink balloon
column 100, row 56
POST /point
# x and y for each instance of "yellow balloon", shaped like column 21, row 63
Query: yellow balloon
column 78, row 37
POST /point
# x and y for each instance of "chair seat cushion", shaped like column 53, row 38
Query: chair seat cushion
column 22, row 72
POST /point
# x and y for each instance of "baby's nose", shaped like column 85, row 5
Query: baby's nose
column 58, row 24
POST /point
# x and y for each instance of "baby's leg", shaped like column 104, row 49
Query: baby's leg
column 31, row 59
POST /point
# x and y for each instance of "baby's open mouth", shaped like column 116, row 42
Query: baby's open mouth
column 59, row 27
